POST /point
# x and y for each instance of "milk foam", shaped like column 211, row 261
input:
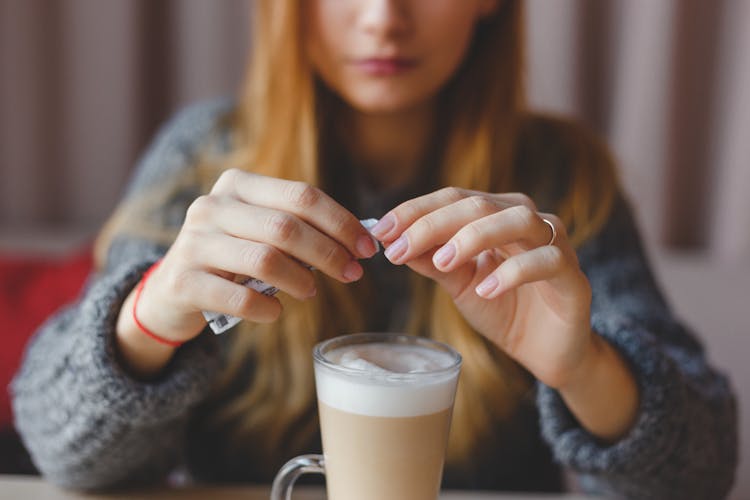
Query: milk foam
column 387, row 380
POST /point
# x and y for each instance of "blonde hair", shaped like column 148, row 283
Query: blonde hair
column 499, row 147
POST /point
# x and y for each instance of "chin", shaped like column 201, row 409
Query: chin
column 379, row 107
column 384, row 102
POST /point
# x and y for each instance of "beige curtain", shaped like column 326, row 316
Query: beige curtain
column 84, row 83
column 83, row 86
column 668, row 83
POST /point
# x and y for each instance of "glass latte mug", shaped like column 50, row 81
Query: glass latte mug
column 385, row 403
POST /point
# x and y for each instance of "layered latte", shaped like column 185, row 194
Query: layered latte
column 385, row 412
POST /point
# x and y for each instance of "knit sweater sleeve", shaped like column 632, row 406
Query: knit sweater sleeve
column 684, row 440
column 86, row 422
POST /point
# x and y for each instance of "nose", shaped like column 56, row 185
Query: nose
column 386, row 18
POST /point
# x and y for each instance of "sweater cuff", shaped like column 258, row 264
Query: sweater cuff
column 184, row 381
column 660, row 419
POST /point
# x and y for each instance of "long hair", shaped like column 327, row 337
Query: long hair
column 490, row 143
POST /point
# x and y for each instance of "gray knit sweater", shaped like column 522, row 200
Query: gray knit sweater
column 88, row 424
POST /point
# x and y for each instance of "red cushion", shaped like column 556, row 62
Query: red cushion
column 31, row 289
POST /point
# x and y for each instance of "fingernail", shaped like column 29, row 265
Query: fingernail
column 365, row 246
column 397, row 249
column 353, row 271
column 384, row 226
column 445, row 255
column 486, row 287
column 312, row 293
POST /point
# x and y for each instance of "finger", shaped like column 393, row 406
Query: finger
column 460, row 281
column 222, row 252
column 303, row 200
column 436, row 227
column 392, row 224
column 542, row 263
column 208, row 292
column 288, row 233
column 558, row 236
column 517, row 224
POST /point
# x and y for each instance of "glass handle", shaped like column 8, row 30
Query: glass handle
column 284, row 481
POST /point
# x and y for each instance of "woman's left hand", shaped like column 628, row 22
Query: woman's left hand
column 492, row 254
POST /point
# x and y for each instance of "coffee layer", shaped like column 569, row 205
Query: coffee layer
column 375, row 458
column 387, row 381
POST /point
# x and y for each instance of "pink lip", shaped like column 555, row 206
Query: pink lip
column 385, row 66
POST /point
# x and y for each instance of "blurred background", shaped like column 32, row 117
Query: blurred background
column 84, row 84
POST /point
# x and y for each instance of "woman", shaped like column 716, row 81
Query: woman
column 412, row 112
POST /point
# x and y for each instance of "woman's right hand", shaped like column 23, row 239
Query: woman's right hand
column 248, row 225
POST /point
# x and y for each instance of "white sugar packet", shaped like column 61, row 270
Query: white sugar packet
column 220, row 322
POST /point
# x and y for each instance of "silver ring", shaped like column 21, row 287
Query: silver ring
column 554, row 231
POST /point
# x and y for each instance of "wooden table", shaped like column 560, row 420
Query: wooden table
column 23, row 487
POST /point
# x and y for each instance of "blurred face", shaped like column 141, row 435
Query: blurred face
column 389, row 55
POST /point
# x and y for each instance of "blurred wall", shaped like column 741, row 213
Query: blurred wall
column 83, row 86
column 668, row 83
column 86, row 82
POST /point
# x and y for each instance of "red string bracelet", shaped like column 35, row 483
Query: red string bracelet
column 172, row 343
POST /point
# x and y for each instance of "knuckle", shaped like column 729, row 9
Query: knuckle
column 525, row 200
column 302, row 195
column 248, row 256
column 472, row 232
column 264, row 260
column 451, row 194
column 339, row 223
column 482, row 204
column 407, row 211
column 424, row 226
column 200, row 208
column 307, row 284
column 523, row 214
column 334, row 256
column 514, row 269
column 230, row 174
column 240, row 301
column 282, row 227
column 227, row 179
column 554, row 257
column 187, row 245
